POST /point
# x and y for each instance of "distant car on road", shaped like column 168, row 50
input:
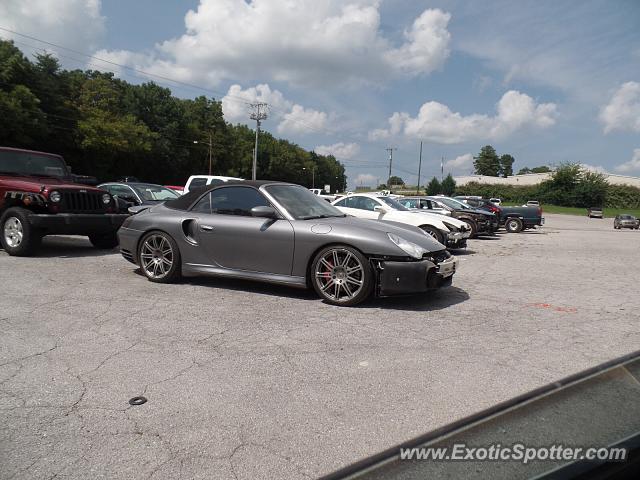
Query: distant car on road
column 595, row 212
column 207, row 180
column 625, row 220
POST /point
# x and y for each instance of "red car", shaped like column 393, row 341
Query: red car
column 176, row 188
column 38, row 197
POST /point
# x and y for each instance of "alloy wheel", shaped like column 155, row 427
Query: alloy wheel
column 156, row 256
column 339, row 275
column 13, row 232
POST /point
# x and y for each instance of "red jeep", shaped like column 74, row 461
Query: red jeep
column 39, row 197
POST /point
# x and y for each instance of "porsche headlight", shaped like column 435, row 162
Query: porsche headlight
column 410, row 248
column 55, row 196
column 106, row 198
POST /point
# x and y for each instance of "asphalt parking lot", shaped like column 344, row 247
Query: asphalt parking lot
column 252, row 381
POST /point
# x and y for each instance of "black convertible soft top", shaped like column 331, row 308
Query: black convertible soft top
column 188, row 199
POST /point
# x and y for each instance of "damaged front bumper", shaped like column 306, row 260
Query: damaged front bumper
column 401, row 278
column 458, row 239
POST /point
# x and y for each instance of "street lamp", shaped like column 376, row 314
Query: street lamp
column 313, row 176
column 210, row 144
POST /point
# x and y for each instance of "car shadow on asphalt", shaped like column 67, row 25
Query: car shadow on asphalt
column 462, row 251
column 70, row 247
column 426, row 302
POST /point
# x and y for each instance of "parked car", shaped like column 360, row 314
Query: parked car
column 282, row 233
column 448, row 231
column 480, row 203
column 179, row 189
column 532, row 203
column 423, row 203
column 496, row 201
column 480, row 221
column 516, row 219
column 206, row 180
column 38, row 197
column 625, row 220
column 319, row 192
column 595, row 212
column 134, row 194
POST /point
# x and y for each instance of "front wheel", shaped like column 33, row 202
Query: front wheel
column 19, row 238
column 472, row 225
column 159, row 257
column 513, row 225
column 341, row 275
column 433, row 232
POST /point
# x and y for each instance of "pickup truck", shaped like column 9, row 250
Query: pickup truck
column 317, row 191
column 516, row 219
column 39, row 196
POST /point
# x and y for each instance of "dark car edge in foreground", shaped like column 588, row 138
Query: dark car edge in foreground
column 282, row 233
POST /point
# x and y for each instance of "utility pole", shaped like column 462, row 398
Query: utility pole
column 390, row 150
column 259, row 113
column 441, row 169
column 419, row 168
column 209, row 144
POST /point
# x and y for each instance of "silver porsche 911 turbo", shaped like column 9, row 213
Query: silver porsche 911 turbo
column 282, row 233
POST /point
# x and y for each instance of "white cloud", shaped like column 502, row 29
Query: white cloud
column 427, row 44
column 459, row 163
column 76, row 24
column 435, row 122
column 632, row 165
column 340, row 150
column 366, row 179
column 305, row 42
column 623, row 110
column 291, row 117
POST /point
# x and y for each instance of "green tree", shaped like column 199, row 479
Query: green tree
column 393, row 180
column 506, row 165
column 541, row 169
column 487, row 162
column 524, row 171
column 433, row 187
column 448, row 185
column 591, row 190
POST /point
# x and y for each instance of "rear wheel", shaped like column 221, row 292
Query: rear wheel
column 434, row 233
column 105, row 242
column 341, row 275
column 159, row 257
column 472, row 225
column 513, row 225
column 18, row 237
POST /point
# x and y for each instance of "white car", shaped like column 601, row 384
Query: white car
column 449, row 231
column 204, row 180
column 319, row 192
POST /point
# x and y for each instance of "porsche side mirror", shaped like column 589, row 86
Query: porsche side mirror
column 263, row 212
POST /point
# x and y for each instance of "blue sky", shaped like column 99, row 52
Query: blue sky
column 547, row 82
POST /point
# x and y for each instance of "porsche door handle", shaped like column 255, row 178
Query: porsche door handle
column 206, row 228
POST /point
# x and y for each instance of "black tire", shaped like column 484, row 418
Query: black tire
column 434, row 233
column 329, row 282
column 472, row 225
column 513, row 225
column 17, row 236
column 156, row 264
column 104, row 242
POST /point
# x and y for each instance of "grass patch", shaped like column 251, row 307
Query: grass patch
column 608, row 212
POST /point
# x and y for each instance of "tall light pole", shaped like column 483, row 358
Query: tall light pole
column 210, row 144
column 259, row 113
column 313, row 176
column 419, row 168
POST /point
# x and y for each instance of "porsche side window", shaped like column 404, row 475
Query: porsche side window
column 236, row 200
column 203, row 205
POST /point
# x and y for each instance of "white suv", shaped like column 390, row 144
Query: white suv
column 204, row 180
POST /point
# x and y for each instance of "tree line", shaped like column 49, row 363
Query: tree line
column 109, row 128
column 570, row 185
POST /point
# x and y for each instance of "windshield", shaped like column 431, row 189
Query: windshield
column 301, row 203
column 393, row 203
column 450, row 202
column 154, row 193
column 31, row 163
